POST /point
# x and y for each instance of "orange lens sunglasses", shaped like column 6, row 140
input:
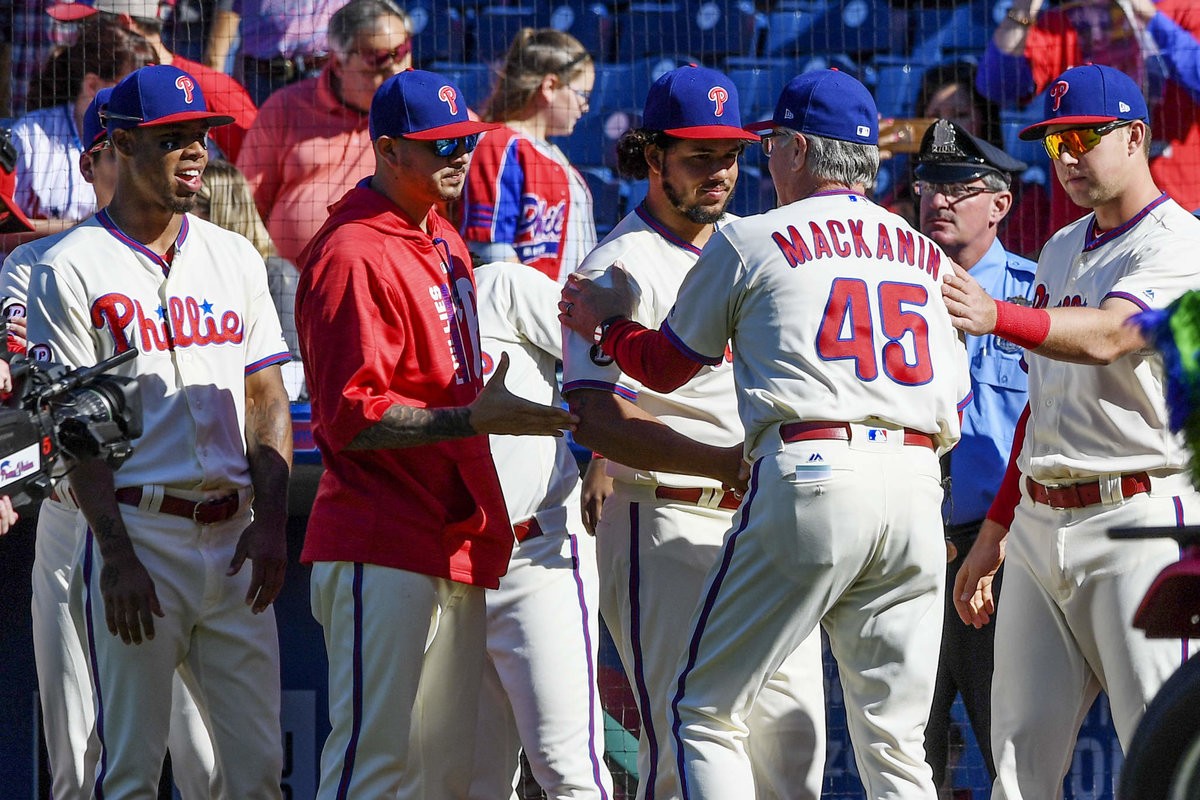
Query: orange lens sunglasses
column 1078, row 141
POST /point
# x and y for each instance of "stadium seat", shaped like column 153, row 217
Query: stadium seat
column 647, row 29
column 589, row 21
column 759, row 87
column 747, row 199
column 840, row 26
column 897, row 83
column 1032, row 153
column 493, row 28
column 940, row 34
column 594, row 141
column 474, row 79
column 439, row 31
column 606, row 198
column 612, row 89
column 721, row 28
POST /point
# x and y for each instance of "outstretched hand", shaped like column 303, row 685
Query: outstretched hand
column 585, row 304
column 497, row 410
column 973, row 597
column 971, row 309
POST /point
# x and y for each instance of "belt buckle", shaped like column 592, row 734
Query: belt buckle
column 210, row 503
column 1059, row 488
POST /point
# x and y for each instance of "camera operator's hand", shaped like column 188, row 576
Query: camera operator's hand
column 8, row 517
column 18, row 334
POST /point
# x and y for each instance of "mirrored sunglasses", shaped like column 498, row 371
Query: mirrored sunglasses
column 448, row 147
column 378, row 59
column 1078, row 141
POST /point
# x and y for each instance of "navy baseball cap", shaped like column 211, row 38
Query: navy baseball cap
column 694, row 102
column 94, row 129
column 158, row 94
column 949, row 154
column 417, row 104
column 1088, row 96
column 826, row 103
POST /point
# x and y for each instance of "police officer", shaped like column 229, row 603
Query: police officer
column 964, row 188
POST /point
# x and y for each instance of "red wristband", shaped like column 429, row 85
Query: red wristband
column 1021, row 325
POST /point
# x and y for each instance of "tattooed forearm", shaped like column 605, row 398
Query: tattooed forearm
column 405, row 426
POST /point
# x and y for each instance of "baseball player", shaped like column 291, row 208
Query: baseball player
column 164, row 540
column 661, row 530
column 409, row 505
column 539, row 684
column 64, row 688
column 848, row 374
column 963, row 185
column 1097, row 453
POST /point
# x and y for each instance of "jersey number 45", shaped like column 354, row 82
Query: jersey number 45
column 848, row 330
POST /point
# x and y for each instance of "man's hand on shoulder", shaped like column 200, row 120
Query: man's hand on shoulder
column 497, row 410
column 971, row 309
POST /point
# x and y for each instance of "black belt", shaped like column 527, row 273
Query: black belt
column 290, row 68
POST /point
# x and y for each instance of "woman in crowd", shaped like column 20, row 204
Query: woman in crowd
column 524, row 201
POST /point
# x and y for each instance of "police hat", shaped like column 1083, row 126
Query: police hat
column 951, row 155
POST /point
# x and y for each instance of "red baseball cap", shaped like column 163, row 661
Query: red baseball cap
column 75, row 10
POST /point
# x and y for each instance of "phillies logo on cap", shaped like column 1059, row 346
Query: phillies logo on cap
column 1058, row 91
column 719, row 95
column 450, row 97
column 184, row 84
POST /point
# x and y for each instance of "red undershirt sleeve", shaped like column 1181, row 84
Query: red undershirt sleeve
column 648, row 356
column 1004, row 506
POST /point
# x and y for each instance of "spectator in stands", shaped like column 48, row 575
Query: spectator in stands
column 225, row 199
column 948, row 92
column 282, row 41
column 225, row 96
column 1031, row 47
column 524, row 201
column 311, row 144
column 50, row 188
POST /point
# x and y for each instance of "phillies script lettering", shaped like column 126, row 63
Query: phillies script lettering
column 184, row 322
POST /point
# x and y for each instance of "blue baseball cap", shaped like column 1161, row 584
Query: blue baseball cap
column 158, row 94
column 826, row 103
column 416, row 104
column 94, row 129
column 694, row 102
column 1089, row 95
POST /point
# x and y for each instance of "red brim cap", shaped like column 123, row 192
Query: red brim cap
column 712, row 132
column 1038, row 129
column 452, row 131
column 70, row 12
column 764, row 125
column 12, row 218
column 185, row 116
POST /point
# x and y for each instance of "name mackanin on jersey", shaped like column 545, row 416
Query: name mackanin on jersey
column 835, row 238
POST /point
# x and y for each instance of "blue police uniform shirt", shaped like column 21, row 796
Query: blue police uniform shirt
column 1000, row 391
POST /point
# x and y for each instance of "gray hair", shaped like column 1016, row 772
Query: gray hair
column 359, row 16
column 996, row 181
column 846, row 163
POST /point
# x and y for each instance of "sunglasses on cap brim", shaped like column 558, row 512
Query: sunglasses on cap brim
column 1078, row 141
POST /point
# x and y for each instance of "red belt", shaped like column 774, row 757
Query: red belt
column 205, row 512
column 1081, row 495
column 728, row 500
column 529, row 529
column 806, row 431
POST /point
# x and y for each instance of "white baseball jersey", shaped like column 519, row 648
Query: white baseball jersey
column 548, row 700
column 49, row 183
column 873, row 337
column 1142, row 261
column 518, row 315
column 705, row 408
column 98, row 293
